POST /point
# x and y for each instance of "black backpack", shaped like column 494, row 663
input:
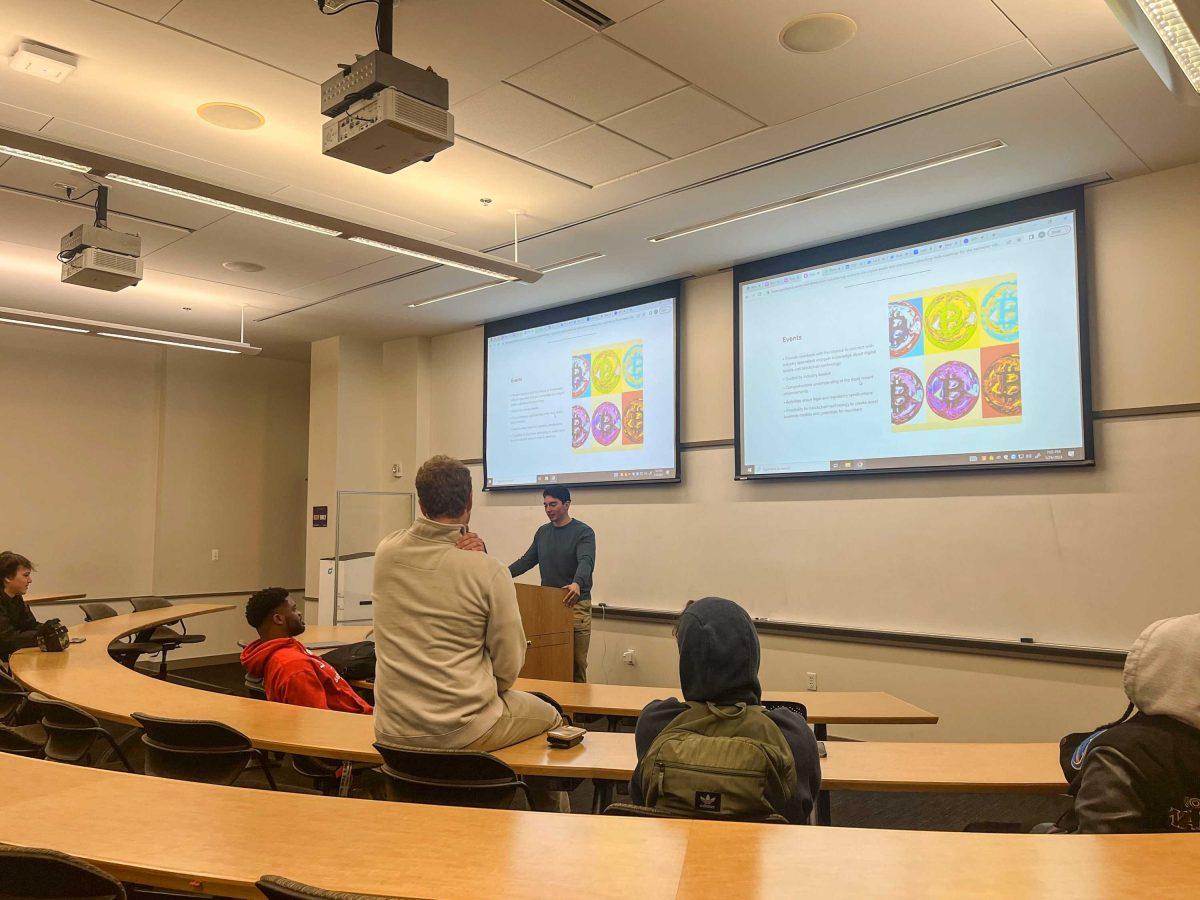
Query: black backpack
column 354, row 662
column 1072, row 756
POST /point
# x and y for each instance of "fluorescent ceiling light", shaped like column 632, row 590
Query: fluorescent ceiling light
column 45, row 160
column 124, row 332
column 553, row 267
column 43, row 325
column 146, row 340
column 1175, row 32
column 440, row 260
column 886, row 175
column 220, row 204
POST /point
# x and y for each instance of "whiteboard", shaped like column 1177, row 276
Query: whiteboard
column 1081, row 558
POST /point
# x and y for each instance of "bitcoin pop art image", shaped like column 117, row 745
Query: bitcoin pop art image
column 999, row 312
column 904, row 328
column 951, row 320
column 952, row 390
column 908, row 395
column 1001, row 381
column 608, row 401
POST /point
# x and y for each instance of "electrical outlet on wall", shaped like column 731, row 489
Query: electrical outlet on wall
column 812, row 681
column 216, row 554
column 628, row 657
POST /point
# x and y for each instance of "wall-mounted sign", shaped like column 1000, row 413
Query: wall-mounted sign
column 320, row 517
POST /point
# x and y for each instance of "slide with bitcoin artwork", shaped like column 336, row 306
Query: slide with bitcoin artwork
column 955, row 355
column 607, row 410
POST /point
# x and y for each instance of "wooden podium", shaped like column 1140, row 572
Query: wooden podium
column 549, row 633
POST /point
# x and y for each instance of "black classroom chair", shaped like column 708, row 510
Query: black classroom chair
column 72, row 732
column 27, row 874
column 449, row 778
column 197, row 750
column 274, row 887
column 125, row 651
column 164, row 637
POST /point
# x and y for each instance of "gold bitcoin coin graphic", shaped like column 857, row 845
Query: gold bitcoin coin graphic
column 606, row 372
column 951, row 319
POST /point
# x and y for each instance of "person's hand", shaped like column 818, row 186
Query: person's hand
column 572, row 595
column 471, row 541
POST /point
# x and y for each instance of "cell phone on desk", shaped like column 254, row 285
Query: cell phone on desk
column 564, row 736
column 821, row 752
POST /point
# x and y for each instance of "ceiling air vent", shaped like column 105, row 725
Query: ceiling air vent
column 588, row 15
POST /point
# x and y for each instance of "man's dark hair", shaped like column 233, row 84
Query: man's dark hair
column 558, row 492
column 262, row 603
column 443, row 487
column 11, row 563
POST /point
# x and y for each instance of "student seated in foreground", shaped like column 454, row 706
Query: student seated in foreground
column 769, row 755
column 289, row 672
column 18, row 627
column 1143, row 773
column 448, row 635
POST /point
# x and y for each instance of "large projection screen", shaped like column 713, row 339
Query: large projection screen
column 585, row 394
column 959, row 343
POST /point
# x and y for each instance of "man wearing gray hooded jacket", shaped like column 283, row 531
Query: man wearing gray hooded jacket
column 1143, row 775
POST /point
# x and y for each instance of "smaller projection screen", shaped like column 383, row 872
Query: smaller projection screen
column 585, row 394
column 959, row 343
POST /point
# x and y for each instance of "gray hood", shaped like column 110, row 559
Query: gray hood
column 1162, row 672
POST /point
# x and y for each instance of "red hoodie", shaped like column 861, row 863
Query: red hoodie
column 290, row 674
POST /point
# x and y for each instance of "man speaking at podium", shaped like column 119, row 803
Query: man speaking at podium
column 564, row 550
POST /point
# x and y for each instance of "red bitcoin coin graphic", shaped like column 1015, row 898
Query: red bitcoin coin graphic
column 1002, row 385
column 907, row 395
column 606, row 423
column 633, row 415
column 952, row 390
column 904, row 327
column 581, row 375
column 581, row 424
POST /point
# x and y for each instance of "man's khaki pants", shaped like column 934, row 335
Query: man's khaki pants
column 525, row 716
column 583, row 639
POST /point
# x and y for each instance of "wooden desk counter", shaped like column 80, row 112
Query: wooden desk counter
column 35, row 599
column 824, row 707
column 221, row 839
column 86, row 676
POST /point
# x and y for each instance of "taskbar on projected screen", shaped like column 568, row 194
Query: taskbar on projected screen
column 604, row 476
column 1049, row 456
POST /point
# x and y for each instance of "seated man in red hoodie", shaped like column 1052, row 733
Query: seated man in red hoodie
column 289, row 673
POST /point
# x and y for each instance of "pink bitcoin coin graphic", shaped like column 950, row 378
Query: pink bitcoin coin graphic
column 907, row 395
column 952, row 390
column 581, row 424
column 606, row 423
column 904, row 327
column 581, row 375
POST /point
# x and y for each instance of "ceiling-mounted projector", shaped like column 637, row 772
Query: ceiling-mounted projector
column 95, row 256
column 385, row 113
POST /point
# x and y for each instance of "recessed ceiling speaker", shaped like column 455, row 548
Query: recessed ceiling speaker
column 818, row 33
column 237, row 265
column 230, row 115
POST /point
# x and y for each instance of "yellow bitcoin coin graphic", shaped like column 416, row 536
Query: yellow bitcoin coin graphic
column 606, row 372
column 951, row 319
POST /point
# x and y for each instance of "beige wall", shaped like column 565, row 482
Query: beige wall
column 126, row 466
column 1088, row 556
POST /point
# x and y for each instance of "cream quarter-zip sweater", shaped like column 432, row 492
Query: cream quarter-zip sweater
column 448, row 638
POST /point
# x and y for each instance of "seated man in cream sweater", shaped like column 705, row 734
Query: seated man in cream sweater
column 448, row 636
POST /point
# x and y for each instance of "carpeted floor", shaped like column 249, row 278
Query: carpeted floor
column 920, row 812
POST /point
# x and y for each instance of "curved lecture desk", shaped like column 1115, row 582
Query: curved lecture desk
column 824, row 708
column 221, row 839
column 35, row 599
column 86, row 676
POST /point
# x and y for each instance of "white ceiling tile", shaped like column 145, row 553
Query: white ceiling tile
column 147, row 9
column 595, row 155
column 1134, row 102
column 21, row 119
column 597, row 78
column 471, row 43
column 513, row 120
column 731, row 48
column 290, row 257
column 682, row 122
column 361, row 214
column 1067, row 30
